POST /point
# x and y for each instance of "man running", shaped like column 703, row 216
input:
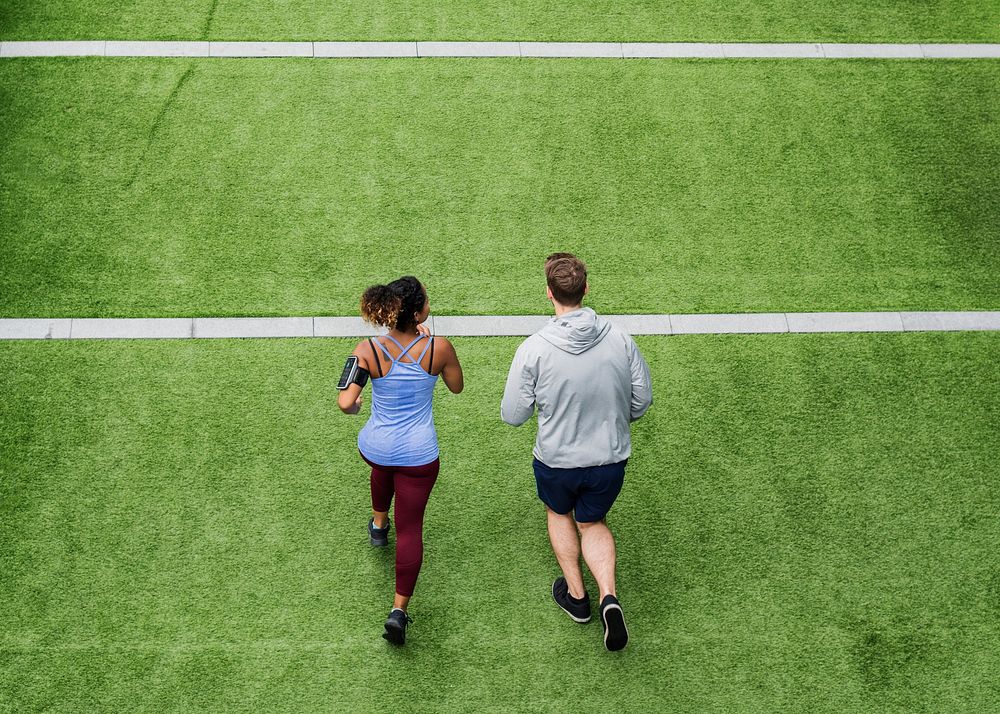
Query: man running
column 589, row 382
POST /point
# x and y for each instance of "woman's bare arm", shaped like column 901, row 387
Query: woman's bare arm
column 451, row 372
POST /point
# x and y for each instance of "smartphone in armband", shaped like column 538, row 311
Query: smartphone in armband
column 353, row 373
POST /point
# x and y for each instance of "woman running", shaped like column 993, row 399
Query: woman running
column 399, row 441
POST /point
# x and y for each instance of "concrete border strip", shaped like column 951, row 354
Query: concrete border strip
column 420, row 48
column 494, row 325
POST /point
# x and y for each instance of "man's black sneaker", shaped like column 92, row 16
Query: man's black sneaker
column 578, row 610
column 615, row 632
column 378, row 536
column 395, row 627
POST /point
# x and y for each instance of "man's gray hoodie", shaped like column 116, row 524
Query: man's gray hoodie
column 589, row 382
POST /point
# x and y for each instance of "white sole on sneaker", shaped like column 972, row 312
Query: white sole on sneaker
column 614, row 619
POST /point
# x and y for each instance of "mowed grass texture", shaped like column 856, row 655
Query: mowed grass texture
column 568, row 20
column 808, row 524
column 248, row 187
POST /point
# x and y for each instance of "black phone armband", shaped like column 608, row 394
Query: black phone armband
column 353, row 373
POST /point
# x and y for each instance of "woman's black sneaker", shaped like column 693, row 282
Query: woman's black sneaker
column 613, row 619
column 578, row 610
column 378, row 536
column 395, row 627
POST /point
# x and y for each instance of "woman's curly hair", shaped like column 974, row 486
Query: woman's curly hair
column 395, row 304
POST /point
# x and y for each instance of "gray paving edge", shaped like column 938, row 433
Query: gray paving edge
column 491, row 325
column 417, row 48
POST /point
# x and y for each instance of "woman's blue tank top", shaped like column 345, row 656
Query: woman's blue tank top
column 401, row 431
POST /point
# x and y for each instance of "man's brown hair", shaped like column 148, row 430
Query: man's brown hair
column 567, row 278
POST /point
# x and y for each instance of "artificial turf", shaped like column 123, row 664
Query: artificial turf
column 571, row 20
column 808, row 524
column 158, row 187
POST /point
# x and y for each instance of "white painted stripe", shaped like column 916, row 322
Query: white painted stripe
column 731, row 50
column 494, row 325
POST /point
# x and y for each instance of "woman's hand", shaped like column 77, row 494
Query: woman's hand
column 423, row 329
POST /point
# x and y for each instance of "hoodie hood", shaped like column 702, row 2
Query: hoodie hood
column 575, row 332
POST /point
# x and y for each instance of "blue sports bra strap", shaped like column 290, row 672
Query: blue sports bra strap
column 385, row 349
column 430, row 341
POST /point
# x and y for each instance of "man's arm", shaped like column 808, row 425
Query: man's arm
column 518, row 402
column 642, row 384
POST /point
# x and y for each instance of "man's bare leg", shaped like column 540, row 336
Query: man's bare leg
column 598, row 546
column 566, row 546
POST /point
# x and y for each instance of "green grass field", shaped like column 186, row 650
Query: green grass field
column 808, row 524
column 247, row 187
column 569, row 20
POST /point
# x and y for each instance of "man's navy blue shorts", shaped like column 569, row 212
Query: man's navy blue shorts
column 589, row 491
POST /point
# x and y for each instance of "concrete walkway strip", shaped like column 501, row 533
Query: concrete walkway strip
column 35, row 329
column 131, row 328
column 116, row 48
column 493, row 325
column 617, row 50
column 960, row 51
column 261, row 49
column 468, row 49
column 914, row 321
column 364, row 49
column 845, row 322
column 52, row 49
column 253, row 327
column 571, row 49
column 848, row 51
column 728, row 324
column 782, row 50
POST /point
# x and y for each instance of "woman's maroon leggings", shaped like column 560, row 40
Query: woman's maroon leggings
column 412, row 487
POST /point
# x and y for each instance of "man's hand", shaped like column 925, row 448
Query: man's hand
column 423, row 329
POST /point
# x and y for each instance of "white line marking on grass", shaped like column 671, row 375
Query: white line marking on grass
column 493, row 325
column 612, row 50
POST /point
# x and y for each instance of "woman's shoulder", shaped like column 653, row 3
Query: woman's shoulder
column 443, row 344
